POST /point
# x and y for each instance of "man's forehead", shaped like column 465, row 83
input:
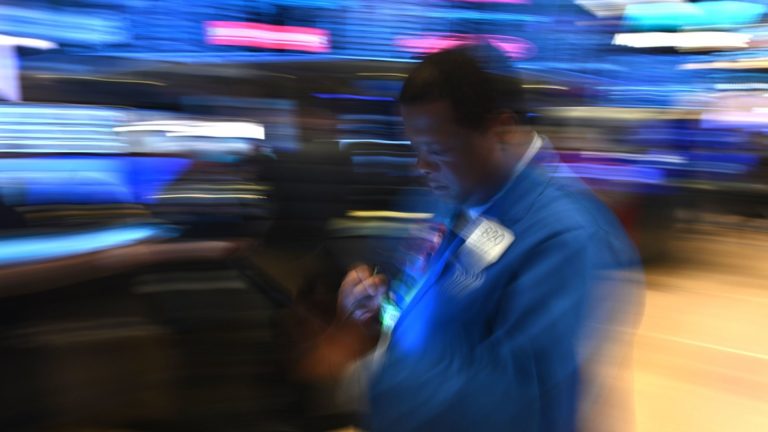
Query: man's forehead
column 427, row 114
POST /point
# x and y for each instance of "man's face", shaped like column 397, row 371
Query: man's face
column 454, row 160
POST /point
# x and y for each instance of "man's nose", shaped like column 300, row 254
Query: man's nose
column 425, row 166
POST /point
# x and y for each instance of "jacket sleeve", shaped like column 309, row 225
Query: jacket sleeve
column 524, row 375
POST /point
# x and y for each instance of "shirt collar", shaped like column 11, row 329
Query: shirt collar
column 533, row 148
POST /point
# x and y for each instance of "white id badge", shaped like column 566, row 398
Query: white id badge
column 486, row 242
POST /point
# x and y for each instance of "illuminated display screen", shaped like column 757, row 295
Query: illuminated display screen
column 396, row 29
column 515, row 48
column 267, row 36
column 207, row 31
column 87, row 179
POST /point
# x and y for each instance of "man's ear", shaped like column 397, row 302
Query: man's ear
column 505, row 124
column 507, row 118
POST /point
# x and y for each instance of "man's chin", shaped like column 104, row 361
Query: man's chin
column 444, row 193
column 440, row 190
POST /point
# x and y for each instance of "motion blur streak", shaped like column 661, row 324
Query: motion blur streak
column 185, row 183
column 27, row 42
column 210, row 196
column 683, row 40
column 267, row 36
column 198, row 128
column 46, row 247
column 389, row 214
column 104, row 79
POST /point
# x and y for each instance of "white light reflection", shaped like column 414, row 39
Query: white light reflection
column 388, row 214
column 683, row 40
column 179, row 128
column 6, row 40
column 199, row 195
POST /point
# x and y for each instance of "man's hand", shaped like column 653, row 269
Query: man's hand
column 360, row 294
column 356, row 330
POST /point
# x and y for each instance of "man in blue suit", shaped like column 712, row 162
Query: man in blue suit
column 526, row 287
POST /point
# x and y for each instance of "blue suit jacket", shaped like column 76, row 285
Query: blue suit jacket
column 503, row 354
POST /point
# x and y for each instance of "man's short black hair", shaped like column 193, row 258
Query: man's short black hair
column 477, row 80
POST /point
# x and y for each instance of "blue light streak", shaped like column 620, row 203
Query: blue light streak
column 21, row 250
column 672, row 16
column 626, row 173
column 92, row 179
column 352, row 97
